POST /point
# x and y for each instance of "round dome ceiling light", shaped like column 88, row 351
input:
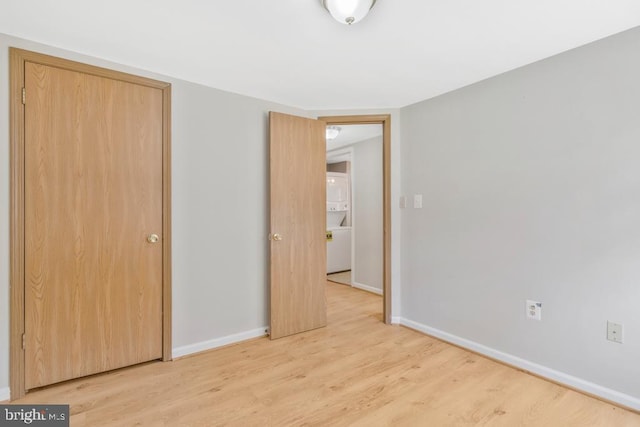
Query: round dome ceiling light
column 348, row 11
column 333, row 131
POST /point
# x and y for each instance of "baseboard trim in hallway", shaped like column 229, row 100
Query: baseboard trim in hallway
column 367, row 288
column 578, row 384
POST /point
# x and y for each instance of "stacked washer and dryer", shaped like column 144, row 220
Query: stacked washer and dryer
column 338, row 222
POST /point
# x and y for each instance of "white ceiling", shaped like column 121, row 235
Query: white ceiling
column 293, row 52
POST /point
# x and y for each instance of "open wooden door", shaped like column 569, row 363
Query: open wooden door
column 298, row 224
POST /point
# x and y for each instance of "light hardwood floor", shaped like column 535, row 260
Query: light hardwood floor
column 343, row 277
column 354, row 372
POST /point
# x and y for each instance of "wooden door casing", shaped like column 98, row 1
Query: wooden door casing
column 385, row 121
column 64, row 181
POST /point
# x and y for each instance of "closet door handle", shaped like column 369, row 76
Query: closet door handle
column 275, row 236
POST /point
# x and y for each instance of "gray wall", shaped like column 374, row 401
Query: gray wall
column 219, row 157
column 531, row 184
column 367, row 210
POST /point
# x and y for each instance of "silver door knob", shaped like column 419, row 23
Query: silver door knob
column 152, row 238
column 276, row 236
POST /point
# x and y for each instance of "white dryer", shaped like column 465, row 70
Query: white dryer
column 338, row 210
column 339, row 245
column 339, row 250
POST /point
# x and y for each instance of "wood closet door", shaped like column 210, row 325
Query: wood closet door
column 93, row 196
column 298, row 224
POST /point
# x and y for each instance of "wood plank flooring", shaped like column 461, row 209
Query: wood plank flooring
column 354, row 372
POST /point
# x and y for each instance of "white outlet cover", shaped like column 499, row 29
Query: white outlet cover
column 417, row 201
column 534, row 310
column 614, row 332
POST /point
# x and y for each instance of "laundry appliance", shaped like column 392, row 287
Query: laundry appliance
column 338, row 227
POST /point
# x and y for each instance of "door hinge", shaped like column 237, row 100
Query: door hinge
column 24, row 95
column 24, row 340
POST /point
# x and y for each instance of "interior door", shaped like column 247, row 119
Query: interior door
column 93, row 218
column 298, row 224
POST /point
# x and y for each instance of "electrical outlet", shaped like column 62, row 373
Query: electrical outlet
column 614, row 332
column 534, row 310
column 417, row 201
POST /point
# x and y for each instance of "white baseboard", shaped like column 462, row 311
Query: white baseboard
column 5, row 394
column 218, row 342
column 396, row 320
column 367, row 288
column 543, row 371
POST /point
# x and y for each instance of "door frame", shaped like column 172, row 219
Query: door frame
column 17, row 60
column 385, row 121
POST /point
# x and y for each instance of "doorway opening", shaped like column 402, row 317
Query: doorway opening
column 354, row 207
column 358, row 169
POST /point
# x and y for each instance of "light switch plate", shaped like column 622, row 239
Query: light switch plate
column 417, row 201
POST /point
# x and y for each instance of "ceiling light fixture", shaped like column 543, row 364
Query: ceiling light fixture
column 333, row 131
column 348, row 11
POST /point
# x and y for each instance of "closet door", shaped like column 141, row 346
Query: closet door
column 93, row 224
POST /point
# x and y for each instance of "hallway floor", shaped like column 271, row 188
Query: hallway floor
column 343, row 277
